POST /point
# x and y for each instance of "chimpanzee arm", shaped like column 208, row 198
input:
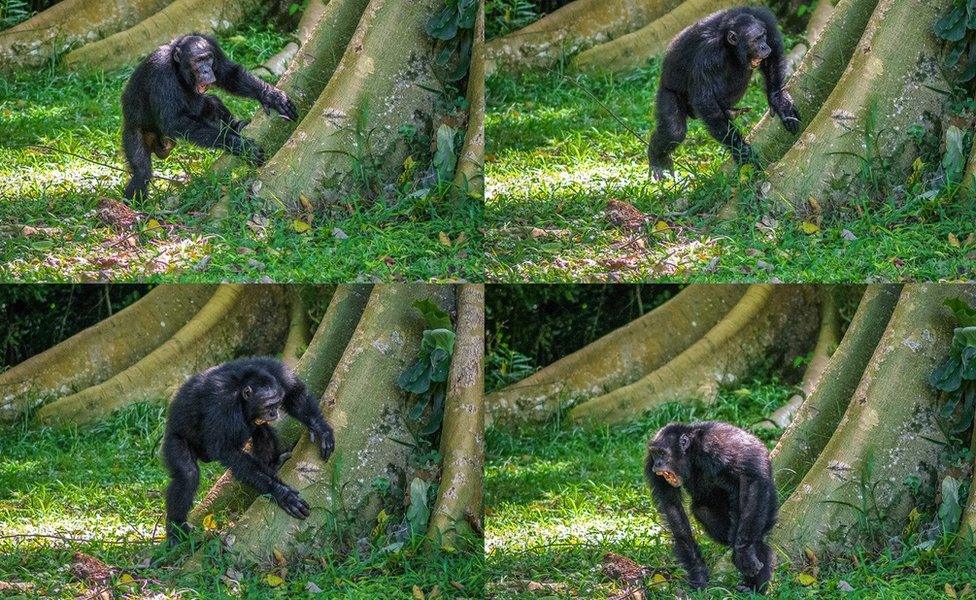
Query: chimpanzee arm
column 774, row 73
column 753, row 499
column 176, row 122
column 302, row 406
column 668, row 500
column 247, row 469
column 237, row 80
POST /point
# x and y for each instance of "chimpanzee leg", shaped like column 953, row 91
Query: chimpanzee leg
column 668, row 500
column 759, row 581
column 140, row 162
column 184, row 480
column 669, row 131
column 717, row 122
column 716, row 523
column 754, row 497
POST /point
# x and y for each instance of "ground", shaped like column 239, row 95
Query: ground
column 557, row 157
column 99, row 490
column 559, row 498
column 50, row 229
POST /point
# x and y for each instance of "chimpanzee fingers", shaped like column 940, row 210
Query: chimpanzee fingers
column 279, row 102
column 281, row 459
column 326, row 446
column 293, row 504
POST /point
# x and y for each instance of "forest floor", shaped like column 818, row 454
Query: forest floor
column 556, row 158
column 560, row 498
column 99, row 490
column 57, row 126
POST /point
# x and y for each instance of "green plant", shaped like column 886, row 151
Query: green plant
column 453, row 28
column 955, row 377
column 958, row 29
column 13, row 12
column 426, row 379
column 505, row 16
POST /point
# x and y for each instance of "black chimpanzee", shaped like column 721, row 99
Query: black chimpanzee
column 213, row 416
column 165, row 100
column 705, row 73
column 727, row 473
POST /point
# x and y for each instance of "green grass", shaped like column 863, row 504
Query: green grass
column 99, row 490
column 559, row 498
column 54, row 195
column 556, row 157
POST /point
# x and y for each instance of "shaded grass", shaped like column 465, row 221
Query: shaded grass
column 559, row 498
column 55, row 195
column 556, row 157
column 100, row 490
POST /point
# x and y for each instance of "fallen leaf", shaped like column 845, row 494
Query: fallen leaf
column 339, row 234
column 312, row 588
column 418, row 593
column 126, row 579
column 279, row 556
column 806, row 579
column 661, row 226
column 848, row 235
column 950, row 591
column 209, row 523
column 954, row 241
column 300, row 226
column 273, row 580
column 444, row 239
column 809, row 228
column 844, row 586
column 306, row 203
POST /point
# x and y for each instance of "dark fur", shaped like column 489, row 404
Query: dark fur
column 727, row 473
column 162, row 102
column 705, row 74
column 214, row 415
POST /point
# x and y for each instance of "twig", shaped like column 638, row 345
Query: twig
column 91, row 160
column 607, row 108
column 64, row 538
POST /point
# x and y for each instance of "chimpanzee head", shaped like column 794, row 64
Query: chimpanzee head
column 667, row 452
column 262, row 396
column 194, row 57
column 747, row 36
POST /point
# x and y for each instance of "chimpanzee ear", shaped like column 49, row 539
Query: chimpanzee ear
column 176, row 54
column 684, row 442
column 732, row 38
column 247, row 392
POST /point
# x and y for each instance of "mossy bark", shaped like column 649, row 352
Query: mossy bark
column 768, row 319
column 819, row 18
column 827, row 342
column 890, row 85
column 815, row 421
column 635, row 49
column 857, row 492
column 573, row 27
column 102, row 350
column 460, row 491
column 237, row 319
column 469, row 176
column 277, row 64
column 352, row 132
column 178, row 18
column 619, row 358
column 367, row 410
column 66, row 24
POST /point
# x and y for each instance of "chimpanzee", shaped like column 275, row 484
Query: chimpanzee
column 216, row 412
column 727, row 473
column 705, row 73
column 165, row 100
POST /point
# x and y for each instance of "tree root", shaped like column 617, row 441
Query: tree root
column 469, row 176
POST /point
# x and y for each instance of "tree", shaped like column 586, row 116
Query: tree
column 870, row 76
column 369, row 109
column 868, row 420
column 356, row 359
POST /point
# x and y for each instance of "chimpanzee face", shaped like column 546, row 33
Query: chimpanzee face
column 195, row 59
column 748, row 35
column 667, row 451
column 262, row 399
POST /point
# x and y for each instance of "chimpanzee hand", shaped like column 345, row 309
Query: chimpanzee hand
column 782, row 105
column 290, row 502
column 744, row 155
column 324, row 440
column 278, row 101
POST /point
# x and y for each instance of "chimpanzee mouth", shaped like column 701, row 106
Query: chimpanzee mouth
column 754, row 63
column 671, row 477
column 202, row 88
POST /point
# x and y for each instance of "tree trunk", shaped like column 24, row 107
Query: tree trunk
column 768, row 318
column 969, row 180
column 635, row 49
column 469, row 176
column 856, row 491
column 460, row 492
column 815, row 421
column 277, row 64
column 815, row 26
column 618, row 358
column 99, row 352
column 575, row 26
column 296, row 341
column 367, row 410
column 816, row 76
column 237, row 319
column 827, row 342
column 350, row 137
column 67, row 23
column 889, row 85
column 179, row 18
